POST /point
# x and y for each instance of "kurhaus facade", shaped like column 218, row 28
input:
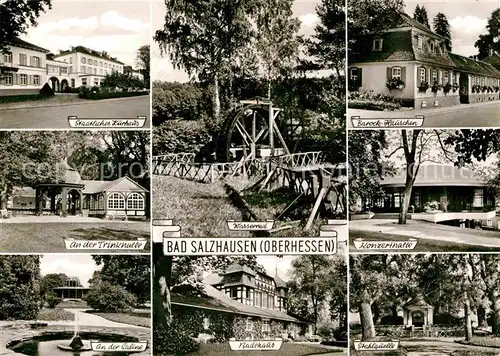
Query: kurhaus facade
column 25, row 68
column 410, row 62
column 251, row 304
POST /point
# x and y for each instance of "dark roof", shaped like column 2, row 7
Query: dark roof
column 418, row 301
column 473, row 66
column 437, row 175
column 407, row 20
column 279, row 282
column 71, row 175
column 15, row 41
column 216, row 300
column 235, row 267
column 89, row 51
column 493, row 59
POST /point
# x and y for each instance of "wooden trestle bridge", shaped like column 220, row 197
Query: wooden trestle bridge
column 253, row 145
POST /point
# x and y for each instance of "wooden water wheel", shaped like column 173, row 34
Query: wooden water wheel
column 252, row 130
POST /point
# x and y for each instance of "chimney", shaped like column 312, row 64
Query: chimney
column 491, row 52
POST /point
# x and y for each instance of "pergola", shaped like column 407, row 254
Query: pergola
column 418, row 304
column 65, row 195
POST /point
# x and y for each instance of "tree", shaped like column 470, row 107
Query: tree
column 203, row 37
column 277, row 39
column 441, row 26
column 17, row 16
column 420, row 14
column 365, row 17
column 19, row 287
column 311, row 280
column 133, row 273
column 490, row 270
column 328, row 45
column 109, row 297
column 27, row 158
column 144, row 63
column 490, row 41
column 51, row 281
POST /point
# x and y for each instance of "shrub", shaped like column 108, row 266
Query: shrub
column 71, row 90
column 172, row 341
column 395, row 83
column 391, row 320
column 446, row 319
column 446, row 88
column 107, row 297
column 436, row 87
column 52, row 300
column 423, row 87
column 46, row 91
column 178, row 136
column 95, row 89
column 55, row 314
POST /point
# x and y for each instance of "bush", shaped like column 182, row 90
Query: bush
column 177, row 136
column 172, row 341
column 55, row 314
column 46, row 91
column 107, row 297
column 71, row 90
column 52, row 300
column 88, row 94
column 447, row 319
column 95, row 89
column 391, row 320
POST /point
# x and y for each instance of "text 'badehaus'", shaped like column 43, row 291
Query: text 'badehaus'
column 410, row 62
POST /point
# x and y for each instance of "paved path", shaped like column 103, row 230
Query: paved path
column 463, row 115
column 88, row 319
column 57, row 117
column 429, row 231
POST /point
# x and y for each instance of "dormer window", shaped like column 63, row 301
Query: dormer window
column 377, row 44
column 420, row 42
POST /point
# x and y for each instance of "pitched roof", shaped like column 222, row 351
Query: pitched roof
column 474, row 66
column 493, row 59
column 437, row 175
column 279, row 282
column 90, row 52
column 97, row 186
column 408, row 20
column 418, row 301
column 15, row 41
column 217, row 300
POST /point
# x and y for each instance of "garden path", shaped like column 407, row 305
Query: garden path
column 88, row 319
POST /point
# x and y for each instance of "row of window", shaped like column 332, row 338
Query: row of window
column 438, row 76
column 135, row 201
column 23, row 60
column 96, row 82
column 377, row 45
column 90, row 70
column 24, row 79
column 90, row 61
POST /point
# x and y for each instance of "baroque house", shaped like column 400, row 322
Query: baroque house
column 240, row 303
column 410, row 62
column 25, row 68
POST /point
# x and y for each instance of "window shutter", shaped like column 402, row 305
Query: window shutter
column 403, row 74
column 360, row 76
column 389, row 73
column 15, row 80
column 419, row 81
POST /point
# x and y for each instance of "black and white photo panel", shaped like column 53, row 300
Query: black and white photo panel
column 424, row 190
column 423, row 64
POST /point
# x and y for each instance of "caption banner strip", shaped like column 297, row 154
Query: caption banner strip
column 168, row 234
column 375, row 123
column 99, row 123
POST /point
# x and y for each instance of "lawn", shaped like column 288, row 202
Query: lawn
column 73, row 304
column 423, row 245
column 21, row 101
column 486, row 341
column 201, row 209
column 49, row 237
column 131, row 318
column 287, row 349
column 55, row 314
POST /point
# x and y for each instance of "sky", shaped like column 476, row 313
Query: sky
column 467, row 18
column 161, row 68
column 118, row 27
column 74, row 265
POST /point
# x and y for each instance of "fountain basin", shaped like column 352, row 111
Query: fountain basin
column 58, row 344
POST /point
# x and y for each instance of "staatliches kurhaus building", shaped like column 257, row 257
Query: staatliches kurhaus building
column 26, row 67
column 410, row 62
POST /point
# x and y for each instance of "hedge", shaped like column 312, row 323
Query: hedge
column 372, row 105
column 103, row 95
